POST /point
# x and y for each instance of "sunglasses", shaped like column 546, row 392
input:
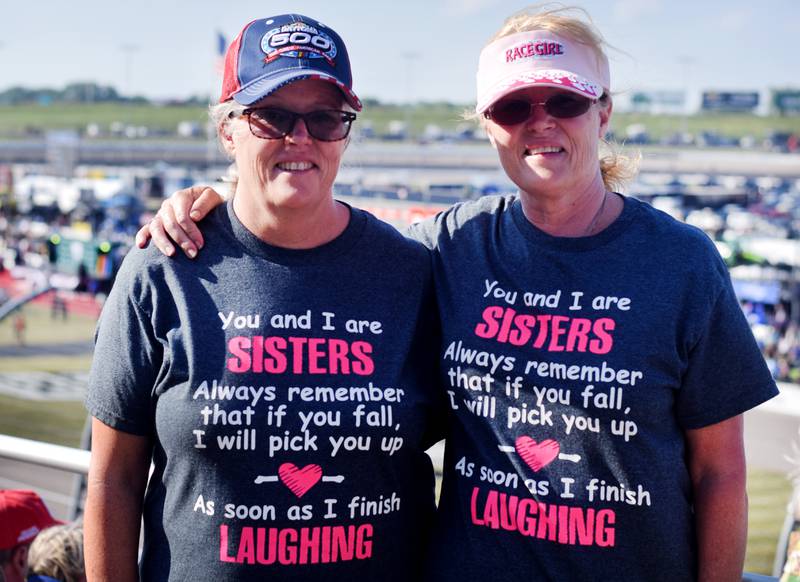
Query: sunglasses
column 516, row 111
column 274, row 123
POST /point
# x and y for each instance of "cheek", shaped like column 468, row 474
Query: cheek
column 332, row 157
column 503, row 141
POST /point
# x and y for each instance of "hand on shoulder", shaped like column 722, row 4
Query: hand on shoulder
column 174, row 224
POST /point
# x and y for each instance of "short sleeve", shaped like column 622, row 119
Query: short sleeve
column 426, row 231
column 726, row 374
column 126, row 363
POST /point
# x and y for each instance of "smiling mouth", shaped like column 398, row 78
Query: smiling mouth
column 294, row 166
column 543, row 150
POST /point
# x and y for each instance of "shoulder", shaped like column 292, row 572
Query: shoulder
column 383, row 237
column 474, row 214
column 671, row 234
column 146, row 273
column 678, row 250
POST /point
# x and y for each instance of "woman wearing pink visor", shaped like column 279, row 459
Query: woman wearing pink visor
column 594, row 355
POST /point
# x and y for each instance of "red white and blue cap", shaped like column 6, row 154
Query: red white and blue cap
column 272, row 52
column 23, row 515
column 539, row 58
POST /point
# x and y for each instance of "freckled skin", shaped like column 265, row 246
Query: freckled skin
column 261, row 180
column 574, row 171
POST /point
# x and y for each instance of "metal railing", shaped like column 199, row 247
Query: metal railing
column 45, row 454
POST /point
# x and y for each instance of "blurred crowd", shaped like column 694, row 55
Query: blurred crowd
column 778, row 337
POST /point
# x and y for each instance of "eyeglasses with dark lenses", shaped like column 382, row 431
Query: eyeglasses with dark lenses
column 274, row 123
column 516, row 111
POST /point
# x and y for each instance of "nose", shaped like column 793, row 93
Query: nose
column 299, row 133
column 539, row 118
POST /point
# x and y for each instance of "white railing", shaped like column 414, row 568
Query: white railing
column 44, row 454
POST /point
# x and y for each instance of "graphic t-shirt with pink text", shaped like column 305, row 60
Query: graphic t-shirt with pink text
column 289, row 396
column 572, row 368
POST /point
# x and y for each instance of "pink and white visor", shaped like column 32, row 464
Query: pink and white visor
column 539, row 58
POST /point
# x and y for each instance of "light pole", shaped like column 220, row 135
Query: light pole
column 686, row 63
column 409, row 58
column 128, row 50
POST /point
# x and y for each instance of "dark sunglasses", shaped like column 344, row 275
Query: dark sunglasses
column 516, row 111
column 274, row 123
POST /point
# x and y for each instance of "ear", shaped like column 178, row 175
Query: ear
column 487, row 128
column 19, row 560
column 605, row 109
column 225, row 137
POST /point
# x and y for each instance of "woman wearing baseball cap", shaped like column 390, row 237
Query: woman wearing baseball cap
column 598, row 432
column 279, row 384
column 23, row 516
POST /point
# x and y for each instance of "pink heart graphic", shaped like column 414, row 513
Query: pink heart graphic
column 537, row 455
column 299, row 481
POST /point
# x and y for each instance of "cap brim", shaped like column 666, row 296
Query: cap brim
column 542, row 78
column 260, row 88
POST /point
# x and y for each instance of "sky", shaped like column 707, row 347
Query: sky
column 400, row 50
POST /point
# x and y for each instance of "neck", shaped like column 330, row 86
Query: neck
column 292, row 228
column 583, row 212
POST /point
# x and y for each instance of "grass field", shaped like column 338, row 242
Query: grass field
column 41, row 331
column 769, row 494
column 16, row 120
column 54, row 422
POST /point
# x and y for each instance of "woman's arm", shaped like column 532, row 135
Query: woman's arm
column 717, row 467
column 175, row 221
column 116, row 484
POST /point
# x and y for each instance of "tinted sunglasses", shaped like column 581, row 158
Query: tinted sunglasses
column 274, row 123
column 516, row 111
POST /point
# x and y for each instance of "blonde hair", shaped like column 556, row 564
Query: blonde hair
column 222, row 114
column 58, row 552
column 576, row 24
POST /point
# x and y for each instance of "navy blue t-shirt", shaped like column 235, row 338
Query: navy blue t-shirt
column 290, row 397
column 572, row 368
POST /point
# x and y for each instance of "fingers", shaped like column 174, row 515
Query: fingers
column 189, row 206
column 205, row 203
column 143, row 236
column 183, row 230
column 174, row 227
column 159, row 236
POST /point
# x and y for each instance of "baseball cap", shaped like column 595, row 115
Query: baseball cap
column 23, row 515
column 539, row 58
column 272, row 52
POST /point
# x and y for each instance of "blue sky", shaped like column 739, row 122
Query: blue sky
column 400, row 49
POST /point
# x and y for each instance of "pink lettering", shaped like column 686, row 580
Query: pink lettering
column 556, row 333
column 278, row 355
column 290, row 547
column 562, row 524
column 578, row 337
column 239, row 348
column 223, row 545
column 363, row 365
column 604, row 341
